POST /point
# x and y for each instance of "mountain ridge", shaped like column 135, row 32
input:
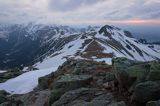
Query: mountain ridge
column 45, row 41
column 106, row 43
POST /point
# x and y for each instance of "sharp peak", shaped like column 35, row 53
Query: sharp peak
column 111, row 27
column 107, row 28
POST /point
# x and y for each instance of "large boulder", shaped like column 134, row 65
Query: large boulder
column 120, row 66
column 55, row 95
column 87, row 97
column 128, row 71
column 102, row 100
column 79, row 94
column 70, row 82
column 154, row 71
column 46, row 81
column 147, row 91
column 139, row 71
column 34, row 98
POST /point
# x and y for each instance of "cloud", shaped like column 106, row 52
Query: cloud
column 145, row 9
column 3, row 14
column 78, row 11
column 70, row 5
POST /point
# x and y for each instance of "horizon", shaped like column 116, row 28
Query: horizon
column 149, row 32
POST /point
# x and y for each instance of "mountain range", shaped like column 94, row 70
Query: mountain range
column 51, row 65
column 45, row 46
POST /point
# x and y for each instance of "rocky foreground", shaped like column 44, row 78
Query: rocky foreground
column 88, row 83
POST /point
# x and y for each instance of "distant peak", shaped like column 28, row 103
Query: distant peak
column 106, row 30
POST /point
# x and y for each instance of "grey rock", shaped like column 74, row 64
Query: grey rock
column 73, row 95
column 71, row 82
column 147, row 91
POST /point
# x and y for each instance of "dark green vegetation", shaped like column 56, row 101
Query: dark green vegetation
column 11, row 73
column 89, row 83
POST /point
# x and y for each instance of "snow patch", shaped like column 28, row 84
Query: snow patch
column 2, row 71
column 25, row 82
column 106, row 60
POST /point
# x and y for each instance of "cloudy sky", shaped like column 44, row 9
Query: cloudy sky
column 80, row 11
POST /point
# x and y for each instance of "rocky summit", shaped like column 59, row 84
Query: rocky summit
column 90, row 83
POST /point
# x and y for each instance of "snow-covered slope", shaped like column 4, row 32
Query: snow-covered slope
column 101, row 44
column 2, row 71
column 155, row 47
column 25, row 82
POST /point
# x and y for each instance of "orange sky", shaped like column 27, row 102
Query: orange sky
column 138, row 22
column 123, row 22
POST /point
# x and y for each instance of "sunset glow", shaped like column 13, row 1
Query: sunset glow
column 123, row 22
column 137, row 21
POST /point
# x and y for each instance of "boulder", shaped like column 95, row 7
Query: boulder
column 79, row 94
column 139, row 71
column 46, row 81
column 55, row 95
column 120, row 66
column 70, row 82
column 154, row 71
column 85, row 97
column 147, row 91
column 35, row 98
column 127, row 72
